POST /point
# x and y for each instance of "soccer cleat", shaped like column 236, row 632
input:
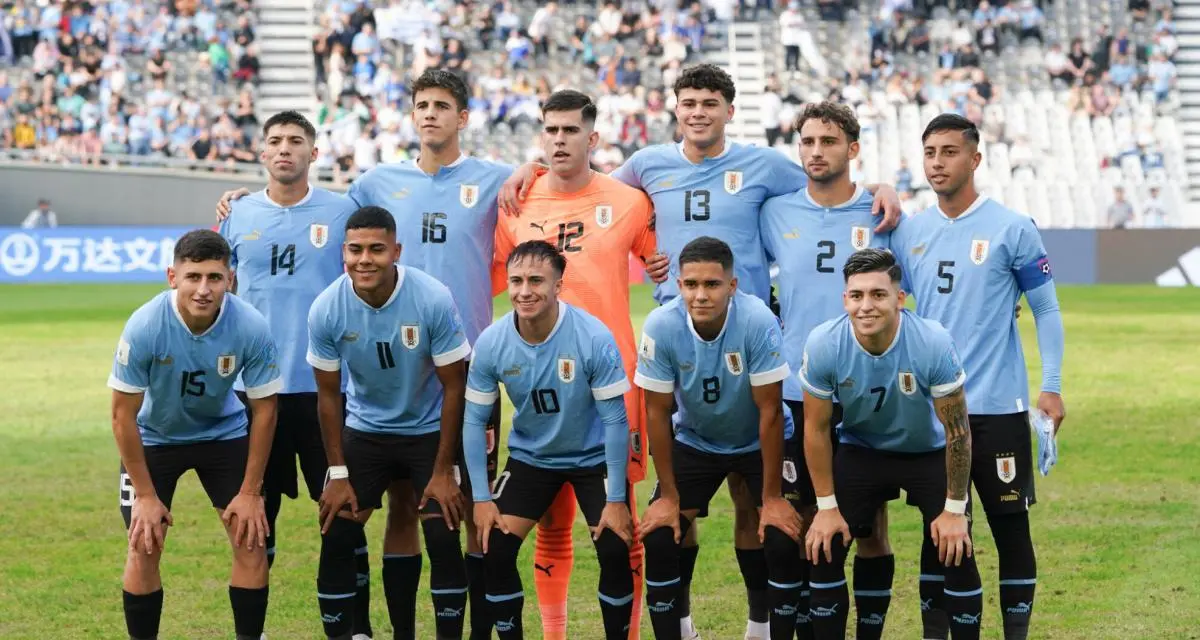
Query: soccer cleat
column 360, row 636
column 757, row 630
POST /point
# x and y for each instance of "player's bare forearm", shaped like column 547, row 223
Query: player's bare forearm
column 454, row 403
column 769, row 400
column 125, row 407
column 952, row 411
column 658, row 432
column 264, row 412
column 331, row 415
column 818, row 447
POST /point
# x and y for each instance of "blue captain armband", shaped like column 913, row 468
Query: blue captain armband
column 1034, row 274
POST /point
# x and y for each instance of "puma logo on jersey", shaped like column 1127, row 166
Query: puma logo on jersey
column 539, row 227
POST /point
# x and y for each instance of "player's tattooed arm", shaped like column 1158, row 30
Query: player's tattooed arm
column 952, row 411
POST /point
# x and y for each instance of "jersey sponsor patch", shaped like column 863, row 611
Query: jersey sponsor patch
column 908, row 383
column 410, row 335
column 646, row 349
column 468, row 195
column 318, row 235
column 566, row 369
column 860, row 238
column 226, row 364
column 1006, row 469
column 789, row 471
column 733, row 182
column 123, row 352
column 604, row 215
column 979, row 251
column 733, row 362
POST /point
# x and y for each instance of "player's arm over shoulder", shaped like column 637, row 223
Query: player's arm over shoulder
column 630, row 171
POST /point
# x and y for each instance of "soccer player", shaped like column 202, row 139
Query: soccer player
column 174, row 410
column 968, row 260
column 286, row 243
column 596, row 222
column 562, row 371
column 708, row 185
column 885, row 365
column 396, row 331
column 717, row 352
column 809, row 234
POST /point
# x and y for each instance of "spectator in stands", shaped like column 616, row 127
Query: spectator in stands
column 1154, row 210
column 918, row 39
column 541, row 26
column 792, row 32
column 1123, row 74
column 1161, row 73
column 771, row 104
column 904, row 177
column 1120, row 212
column 1058, row 65
column 42, row 217
column 1031, row 20
column 248, row 65
column 1139, row 9
column 1102, row 100
column 1079, row 62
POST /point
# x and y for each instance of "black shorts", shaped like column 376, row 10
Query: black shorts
column 220, row 464
column 376, row 459
column 806, row 495
column 297, row 436
column 1002, row 462
column 526, row 491
column 698, row 474
column 866, row 479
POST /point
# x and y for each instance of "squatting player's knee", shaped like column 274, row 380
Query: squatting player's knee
column 141, row 564
column 250, row 562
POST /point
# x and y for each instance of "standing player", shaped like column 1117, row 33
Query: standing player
column 174, row 409
column 562, row 371
column 968, row 260
column 885, row 365
column 809, row 234
column 596, row 222
column 398, row 334
column 708, row 185
column 718, row 353
column 286, row 243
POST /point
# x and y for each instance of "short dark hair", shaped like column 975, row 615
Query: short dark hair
column 707, row 249
column 199, row 245
column 372, row 218
column 831, row 112
column 870, row 261
column 952, row 122
column 708, row 77
column 571, row 100
column 291, row 117
column 538, row 250
column 442, row 79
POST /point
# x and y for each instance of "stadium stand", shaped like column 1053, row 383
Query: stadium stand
column 1077, row 99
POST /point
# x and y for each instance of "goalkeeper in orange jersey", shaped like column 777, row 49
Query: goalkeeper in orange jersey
column 596, row 221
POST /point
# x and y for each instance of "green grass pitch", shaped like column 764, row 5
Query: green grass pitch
column 1116, row 529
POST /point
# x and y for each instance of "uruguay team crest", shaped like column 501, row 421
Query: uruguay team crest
column 908, row 383
column 733, row 362
column 410, row 335
column 566, row 369
column 1006, row 469
column 604, row 215
column 789, row 471
column 860, row 238
column 318, row 235
column 468, row 195
column 979, row 251
column 733, row 182
column 226, row 365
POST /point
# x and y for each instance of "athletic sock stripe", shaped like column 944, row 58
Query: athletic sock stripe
column 1018, row 582
column 476, row 555
column 667, row 583
column 964, row 594
column 806, row 593
column 827, row 585
column 616, row 602
column 928, row 577
column 442, row 592
column 271, row 551
column 876, row 593
column 505, row 597
column 389, row 556
column 335, row 596
column 782, row 585
column 361, row 551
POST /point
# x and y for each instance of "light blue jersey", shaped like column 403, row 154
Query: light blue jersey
column 187, row 378
column 445, row 224
column 810, row 244
column 720, row 197
column 968, row 274
column 390, row 353
column 886, row 399
column 284, row 258
column 567, row 394
column 713, row 379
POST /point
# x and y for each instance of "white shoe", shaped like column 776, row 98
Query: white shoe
column 757, row 631
column 687, row 631
column 360, row 636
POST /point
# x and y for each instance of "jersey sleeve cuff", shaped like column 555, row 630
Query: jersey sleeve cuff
column 611, row 391
column 117, row 384
column 265, row 390
column 943, row 390
column 824, row 394
column 322, row 363
column 481, row 397
column 653, row 384
column 778, row 374
column 454, row 355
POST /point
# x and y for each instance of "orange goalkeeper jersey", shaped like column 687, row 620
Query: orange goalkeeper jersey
column 596, row 228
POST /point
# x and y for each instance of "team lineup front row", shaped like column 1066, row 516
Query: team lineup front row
column 362, row 327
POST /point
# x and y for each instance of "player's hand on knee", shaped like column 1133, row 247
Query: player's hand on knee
column 615, row 518
column 1052, row 405
column 334, row 499
column 449, row 497
column 657, row 267
column 779, row 513
column 487, row 517
column 952, row 537
column 827, row 524
column 887, row 202
column 663, row 512
column 148, row 524
column 225, row 204
column 248, row 513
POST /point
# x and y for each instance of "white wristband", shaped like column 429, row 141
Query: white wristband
column 825, row 503
column 956, row 506
column 338, row 473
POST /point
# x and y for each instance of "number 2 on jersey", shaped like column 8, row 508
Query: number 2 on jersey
column 830, row 249
column 695, row 205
